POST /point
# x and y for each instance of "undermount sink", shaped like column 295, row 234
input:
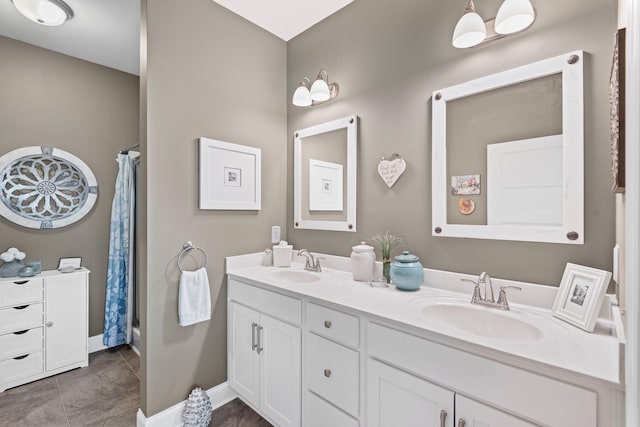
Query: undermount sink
column 482, row 321
column 292, row 276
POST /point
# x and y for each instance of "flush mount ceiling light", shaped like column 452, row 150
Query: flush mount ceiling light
column 321, row 91
column 45, row 12
column 513, row 16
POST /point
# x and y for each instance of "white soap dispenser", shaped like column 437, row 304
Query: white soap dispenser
column 363, row 260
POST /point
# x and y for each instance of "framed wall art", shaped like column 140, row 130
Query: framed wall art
column 230, row 176
column 617, row 113
column 581, row 295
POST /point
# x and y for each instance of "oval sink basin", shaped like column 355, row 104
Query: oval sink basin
column 482, row 321
column 292, row 276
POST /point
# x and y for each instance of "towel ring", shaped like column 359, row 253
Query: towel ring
column 188, row 246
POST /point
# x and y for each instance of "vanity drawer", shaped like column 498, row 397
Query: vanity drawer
column 21, row 367
column 20, row 291
column 333, row 372
column 19, row 343
column 277, row 305
column 19, row 318
column 319, row 413
column 333, row 324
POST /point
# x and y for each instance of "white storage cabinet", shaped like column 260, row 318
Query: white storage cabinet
column 43, row 326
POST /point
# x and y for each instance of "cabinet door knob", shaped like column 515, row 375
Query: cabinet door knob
column 461, row 422
column 49, row 324
column 327, row 373
column 327, row 324
column 443, row 418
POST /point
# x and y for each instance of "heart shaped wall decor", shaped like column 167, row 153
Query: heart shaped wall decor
column 391, row 170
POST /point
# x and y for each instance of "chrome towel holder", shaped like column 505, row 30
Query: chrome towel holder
column 189, row 246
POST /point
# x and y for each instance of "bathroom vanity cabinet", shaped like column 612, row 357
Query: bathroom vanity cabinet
column 355, row 367
column 43, row 326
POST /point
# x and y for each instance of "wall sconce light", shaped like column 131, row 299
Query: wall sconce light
column 321, row 91
column 45, row 12
column 514, row 16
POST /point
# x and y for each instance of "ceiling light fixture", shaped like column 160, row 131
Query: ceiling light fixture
column 514, row 16
column 321, row 91
column 45, row 12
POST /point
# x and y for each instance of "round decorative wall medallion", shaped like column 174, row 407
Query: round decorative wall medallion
column 44, row 187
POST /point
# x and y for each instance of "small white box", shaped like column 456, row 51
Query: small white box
column 282, row 255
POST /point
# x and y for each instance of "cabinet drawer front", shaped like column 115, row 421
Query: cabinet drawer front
column 20, row 291
column 333, row 324
column 333, row 372
column 20, row 343
column 319, row 413
column 16, row 369
column 276, row 305
column 14, row 319
column 516, row 390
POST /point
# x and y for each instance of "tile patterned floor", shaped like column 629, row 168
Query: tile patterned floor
column 105, row 393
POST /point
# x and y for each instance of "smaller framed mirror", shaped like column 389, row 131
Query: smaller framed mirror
column 325, row 170
column 508, row 160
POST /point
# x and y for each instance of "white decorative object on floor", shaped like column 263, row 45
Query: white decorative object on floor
column 43, row 326
column 194, row 298
column 391, row 170
column 197, row 411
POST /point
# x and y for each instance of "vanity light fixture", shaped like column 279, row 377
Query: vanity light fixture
column 321, row 91
column 513, row 16
column 45, row 12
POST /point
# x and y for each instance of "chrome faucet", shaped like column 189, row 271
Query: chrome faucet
column 311, row 264
column 488, row 300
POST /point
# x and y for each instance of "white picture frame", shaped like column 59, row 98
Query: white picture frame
column 75, row 263
column 229, row 176
column 580, row 295
column 325, row 186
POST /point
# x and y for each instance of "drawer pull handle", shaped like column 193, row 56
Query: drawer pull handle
column 49, row 324
column 21, row 282
column 327, row 324
column 260, row 349
column 461, row 422
column 327, row 373
column 21, row 307
column 253, row 336
column 443, row 418
column 20, row 357
column 21, row 332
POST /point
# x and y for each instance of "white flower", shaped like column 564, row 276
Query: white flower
column 19, row 255
column 6, row 257
column 12, row 250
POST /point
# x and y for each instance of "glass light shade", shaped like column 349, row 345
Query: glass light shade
column 514, row 16
column 45, row 12
column 302, row 97
column 470, row 31
column 320, row 91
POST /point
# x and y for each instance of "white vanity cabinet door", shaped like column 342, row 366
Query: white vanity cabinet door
column 66, row 325
column 395, row 398
column 470, row 413
column 280, row 371
column 244, row 360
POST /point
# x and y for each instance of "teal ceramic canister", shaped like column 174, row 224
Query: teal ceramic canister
column 406, row 272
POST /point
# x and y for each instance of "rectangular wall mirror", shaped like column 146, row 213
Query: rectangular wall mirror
column 507, row 154
column 325, row 168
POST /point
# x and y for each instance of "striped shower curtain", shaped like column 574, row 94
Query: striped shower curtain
column 118, row 311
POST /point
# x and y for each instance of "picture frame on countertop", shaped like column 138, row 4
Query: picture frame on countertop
column 580, row 296
column 229, row 176
column 68, row 263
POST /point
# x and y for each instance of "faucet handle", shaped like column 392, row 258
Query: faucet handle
column 318, row 266
column 476, row 290
column 502, row 296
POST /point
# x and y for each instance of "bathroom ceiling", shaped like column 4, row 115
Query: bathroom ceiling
column 106, row 32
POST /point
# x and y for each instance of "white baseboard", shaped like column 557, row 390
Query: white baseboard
column 172, row 417
column 95, row 343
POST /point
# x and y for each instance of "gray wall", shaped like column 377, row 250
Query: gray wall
column 91, row 111
column 208, row 73
column 388, row 59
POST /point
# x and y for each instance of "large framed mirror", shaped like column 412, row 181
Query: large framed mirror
column 325, row 170
column 507, row 154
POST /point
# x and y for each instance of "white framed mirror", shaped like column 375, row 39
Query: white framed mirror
column 325, row 170
column 508, row 156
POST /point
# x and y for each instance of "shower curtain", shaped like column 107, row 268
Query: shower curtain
column 118, row 311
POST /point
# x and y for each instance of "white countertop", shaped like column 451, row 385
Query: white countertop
column 594, row 356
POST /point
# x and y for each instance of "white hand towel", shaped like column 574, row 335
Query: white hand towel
column 194, row 298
